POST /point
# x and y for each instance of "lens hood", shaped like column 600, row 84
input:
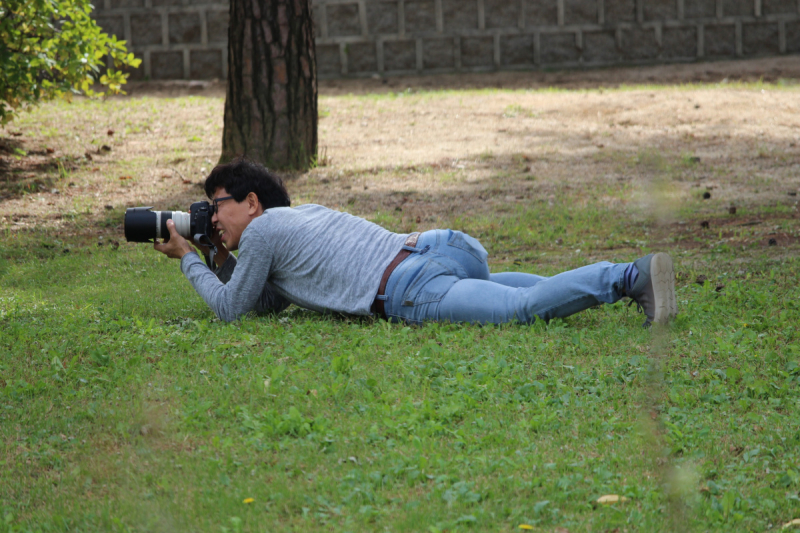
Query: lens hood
column 140, row 224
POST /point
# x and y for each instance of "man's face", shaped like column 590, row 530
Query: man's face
column 232, row 217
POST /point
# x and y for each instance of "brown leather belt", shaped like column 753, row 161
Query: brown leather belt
column 378, row 307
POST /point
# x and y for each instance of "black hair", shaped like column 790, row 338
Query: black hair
column 240, row 177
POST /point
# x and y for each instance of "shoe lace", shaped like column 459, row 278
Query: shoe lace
column 640, row 310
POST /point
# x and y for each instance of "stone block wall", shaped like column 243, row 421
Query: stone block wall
column 176, row 39
column 187, row 38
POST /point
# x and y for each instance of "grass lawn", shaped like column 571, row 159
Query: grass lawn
column 126, row 406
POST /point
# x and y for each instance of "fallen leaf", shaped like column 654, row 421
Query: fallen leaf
column 110, row 133
column 248, row 500
column 526, row 526
column 105, row 148
column 609, row 499
column 49, row 150
column 795, row 522
column 125, row 178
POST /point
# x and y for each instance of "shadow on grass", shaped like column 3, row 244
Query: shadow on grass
column 771, row 70
column 520, row 205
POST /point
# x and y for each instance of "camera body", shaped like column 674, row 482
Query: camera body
column 142, row 224
column 200, row 214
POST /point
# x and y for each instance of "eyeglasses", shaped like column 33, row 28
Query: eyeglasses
column 216, row 201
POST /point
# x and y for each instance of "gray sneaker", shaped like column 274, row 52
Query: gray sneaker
column 654, row 290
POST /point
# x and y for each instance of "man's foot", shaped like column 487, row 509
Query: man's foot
column 654, row 289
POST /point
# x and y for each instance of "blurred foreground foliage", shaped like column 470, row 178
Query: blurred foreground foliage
column 53, row 48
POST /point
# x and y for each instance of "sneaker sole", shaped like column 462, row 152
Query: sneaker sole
column 662, row 276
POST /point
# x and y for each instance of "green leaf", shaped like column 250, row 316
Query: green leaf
column 67, row 56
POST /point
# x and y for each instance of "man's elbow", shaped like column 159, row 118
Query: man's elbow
column 227, row 315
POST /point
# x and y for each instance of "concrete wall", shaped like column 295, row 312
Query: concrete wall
column 187, row 38
column 176, row 39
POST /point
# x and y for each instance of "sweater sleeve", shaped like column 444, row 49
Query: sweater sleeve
column 225, row 270
column 270, row 300
column 239, row 285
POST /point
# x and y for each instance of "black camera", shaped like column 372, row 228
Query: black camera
column 142, row 224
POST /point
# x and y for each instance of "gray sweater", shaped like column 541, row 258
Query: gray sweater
column 310, row 256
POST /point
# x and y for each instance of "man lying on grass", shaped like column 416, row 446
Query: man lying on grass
column 334, row 262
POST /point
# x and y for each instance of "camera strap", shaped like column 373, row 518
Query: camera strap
column 212, row 249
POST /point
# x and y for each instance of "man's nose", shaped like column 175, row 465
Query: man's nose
column 214, row 218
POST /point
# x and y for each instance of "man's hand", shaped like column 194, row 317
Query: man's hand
column 176, row 247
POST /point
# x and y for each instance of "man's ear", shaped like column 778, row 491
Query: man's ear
column 253, row 205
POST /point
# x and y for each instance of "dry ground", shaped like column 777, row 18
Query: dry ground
column 426, row 150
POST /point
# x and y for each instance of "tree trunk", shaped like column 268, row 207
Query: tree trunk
column 271, row 100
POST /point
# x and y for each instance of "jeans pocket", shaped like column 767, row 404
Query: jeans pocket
column 430, row 285
column 469, row 244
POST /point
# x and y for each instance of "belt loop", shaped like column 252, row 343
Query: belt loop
column 414, row 250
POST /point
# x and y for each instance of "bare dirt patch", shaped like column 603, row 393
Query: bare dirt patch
column 763, row 231
column 426, row 151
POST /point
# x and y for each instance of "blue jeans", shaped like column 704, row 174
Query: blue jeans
column 446, row 278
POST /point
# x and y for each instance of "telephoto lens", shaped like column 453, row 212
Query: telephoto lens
column 142, row 224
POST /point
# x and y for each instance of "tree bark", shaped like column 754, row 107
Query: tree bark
column 271, row 100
